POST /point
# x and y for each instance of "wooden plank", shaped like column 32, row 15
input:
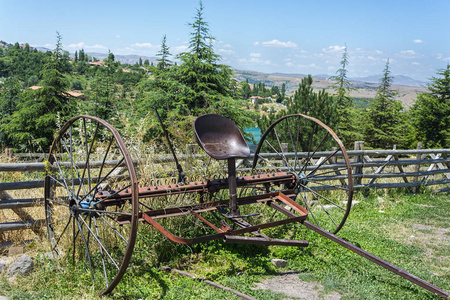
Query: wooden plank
column 9, row 226
column 20, row 203
column 23, row 215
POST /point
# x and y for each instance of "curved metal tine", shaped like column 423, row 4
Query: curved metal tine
column 281, row 148
column 86, row 246
column 323, row 197
column 335, row 186
column 113, row 228
column 100, row 244
column 103, row 163
column 62, row 233
column 106, row 176
column 101, row 253
column 322, row 162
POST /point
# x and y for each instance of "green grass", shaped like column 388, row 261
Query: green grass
column 412, row 233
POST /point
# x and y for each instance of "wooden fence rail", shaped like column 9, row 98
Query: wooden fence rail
column 414, row 168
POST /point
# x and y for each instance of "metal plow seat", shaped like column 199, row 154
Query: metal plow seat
column 220, row 137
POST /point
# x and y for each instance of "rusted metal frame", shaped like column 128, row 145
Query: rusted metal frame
column 216, row 184
column 202, row 186
column 207, row 206
column 198, row 216
column 378, row 261
column 206, row 238
column 177, row 239
column 295, row 206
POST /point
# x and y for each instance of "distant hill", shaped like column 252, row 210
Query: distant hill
column 398, row 80
column 366, row 87
column 125, row 59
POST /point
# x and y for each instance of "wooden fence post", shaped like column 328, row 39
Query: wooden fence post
column 8, row 153
column 417, row 167
column 359, row 146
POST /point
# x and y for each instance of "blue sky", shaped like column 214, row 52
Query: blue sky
column 289, row 36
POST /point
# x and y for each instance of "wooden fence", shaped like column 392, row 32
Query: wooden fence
column 414, row 168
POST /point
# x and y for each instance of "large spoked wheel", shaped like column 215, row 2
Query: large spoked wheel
column 88, row 166
column 311, row 151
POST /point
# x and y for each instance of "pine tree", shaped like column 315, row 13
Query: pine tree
column 320, row 105
column 33, row 125
column 164, row 54
column 431, row 112
column 342, row 86
column 384, row 118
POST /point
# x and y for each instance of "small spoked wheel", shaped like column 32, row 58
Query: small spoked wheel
column 88, row 167
column 312, row 152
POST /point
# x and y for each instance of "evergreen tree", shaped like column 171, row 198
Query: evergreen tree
column 76, row 56
column 431, row 112
column 246, row 90
column 283, row 92
column 82, row 56
column 343, row 87
column 319, row 105
column 33, row 125
column 164, row 54
column 384, row 118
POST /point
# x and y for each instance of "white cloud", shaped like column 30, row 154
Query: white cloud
column 255, row 61
column 226, row 51
column 83, row 45
column 408, row 54
column 416, row 63
column 277, row 44
column 255, row 55
column 418, row 41
column 178, row 49
column 143, row 45
column 118, row 36
column 332, row 49
column 441, row 57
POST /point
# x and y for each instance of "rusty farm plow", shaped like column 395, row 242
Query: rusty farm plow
column 94, row 202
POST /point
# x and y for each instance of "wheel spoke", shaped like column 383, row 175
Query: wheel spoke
column 100, row 243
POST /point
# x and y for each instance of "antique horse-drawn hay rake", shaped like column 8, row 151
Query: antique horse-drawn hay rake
column 93, row 201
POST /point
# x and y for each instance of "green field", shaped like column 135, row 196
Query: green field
column 410, row 231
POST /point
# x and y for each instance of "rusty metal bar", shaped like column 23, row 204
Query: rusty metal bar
column 378, row 261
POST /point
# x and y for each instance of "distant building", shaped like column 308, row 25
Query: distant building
column 97, row 63
column 77, row 95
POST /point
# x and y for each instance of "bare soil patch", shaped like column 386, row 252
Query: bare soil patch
column 290, row 284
